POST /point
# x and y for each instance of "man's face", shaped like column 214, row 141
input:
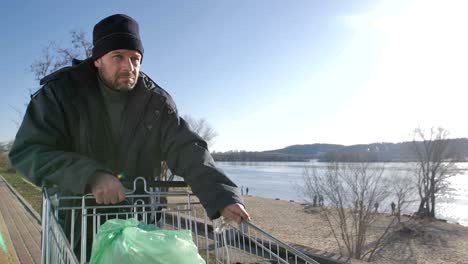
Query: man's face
column 119, row 69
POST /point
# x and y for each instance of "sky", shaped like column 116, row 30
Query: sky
column 267, row 74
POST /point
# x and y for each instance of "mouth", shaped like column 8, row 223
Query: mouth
column 126, row 75
column 126, row 78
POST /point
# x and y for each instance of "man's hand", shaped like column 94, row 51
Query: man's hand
column 235, row 212
column 106, row 188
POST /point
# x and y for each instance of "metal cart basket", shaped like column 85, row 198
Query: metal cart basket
column 217, row 240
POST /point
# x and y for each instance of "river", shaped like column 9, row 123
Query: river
column 282, row 180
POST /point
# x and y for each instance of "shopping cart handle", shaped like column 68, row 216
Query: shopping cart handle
column 168, row 184
column 140, row 183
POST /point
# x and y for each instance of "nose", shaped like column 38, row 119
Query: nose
column 127, row 64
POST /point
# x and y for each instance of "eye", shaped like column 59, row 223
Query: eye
column 117, row 57
column 136, row 59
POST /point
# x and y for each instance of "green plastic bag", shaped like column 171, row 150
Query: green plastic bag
column 133, row 242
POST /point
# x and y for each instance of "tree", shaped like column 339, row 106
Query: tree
column 202, row 128
column 351, row 192
column 404, row 192
column 435, row 164
column 55, row 57
column 4, row 160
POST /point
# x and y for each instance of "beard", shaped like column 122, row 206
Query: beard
column 121, row 81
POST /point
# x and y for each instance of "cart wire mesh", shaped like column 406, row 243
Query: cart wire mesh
column 218, row 241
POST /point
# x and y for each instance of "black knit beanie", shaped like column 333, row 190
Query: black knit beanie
column 116, row 32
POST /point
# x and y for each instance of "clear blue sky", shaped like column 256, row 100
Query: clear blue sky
column 271, row 73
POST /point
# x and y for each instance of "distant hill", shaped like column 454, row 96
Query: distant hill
column 327, row 152
column 309, row 150
column 256, row 156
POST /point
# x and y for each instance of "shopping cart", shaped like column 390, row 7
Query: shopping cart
column 218, row 241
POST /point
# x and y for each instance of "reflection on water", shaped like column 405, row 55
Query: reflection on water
column 281, row 180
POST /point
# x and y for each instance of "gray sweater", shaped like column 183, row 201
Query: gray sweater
column 115, row 102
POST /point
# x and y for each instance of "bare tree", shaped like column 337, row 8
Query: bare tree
column 55, row 57
column 4, row 160
column 403, row 191
column 435, row 164
column 352, row 192
column 202, row 128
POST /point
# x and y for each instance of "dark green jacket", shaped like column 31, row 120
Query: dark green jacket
column 66, row 137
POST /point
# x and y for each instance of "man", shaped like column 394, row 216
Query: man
column 103, row 117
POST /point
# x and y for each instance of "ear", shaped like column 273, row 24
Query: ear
column 97, row 63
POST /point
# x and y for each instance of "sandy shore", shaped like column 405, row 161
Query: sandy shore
column 433, row 242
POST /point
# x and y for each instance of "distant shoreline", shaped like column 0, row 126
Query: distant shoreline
column 374, row 152
column 323, row 161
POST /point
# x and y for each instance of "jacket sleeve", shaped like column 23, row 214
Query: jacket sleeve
column 187, row 155
column 42, row 148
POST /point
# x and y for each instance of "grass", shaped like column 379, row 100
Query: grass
column 31, row 193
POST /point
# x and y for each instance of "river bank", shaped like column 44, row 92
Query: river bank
column 432, row 241
column 283, row 180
